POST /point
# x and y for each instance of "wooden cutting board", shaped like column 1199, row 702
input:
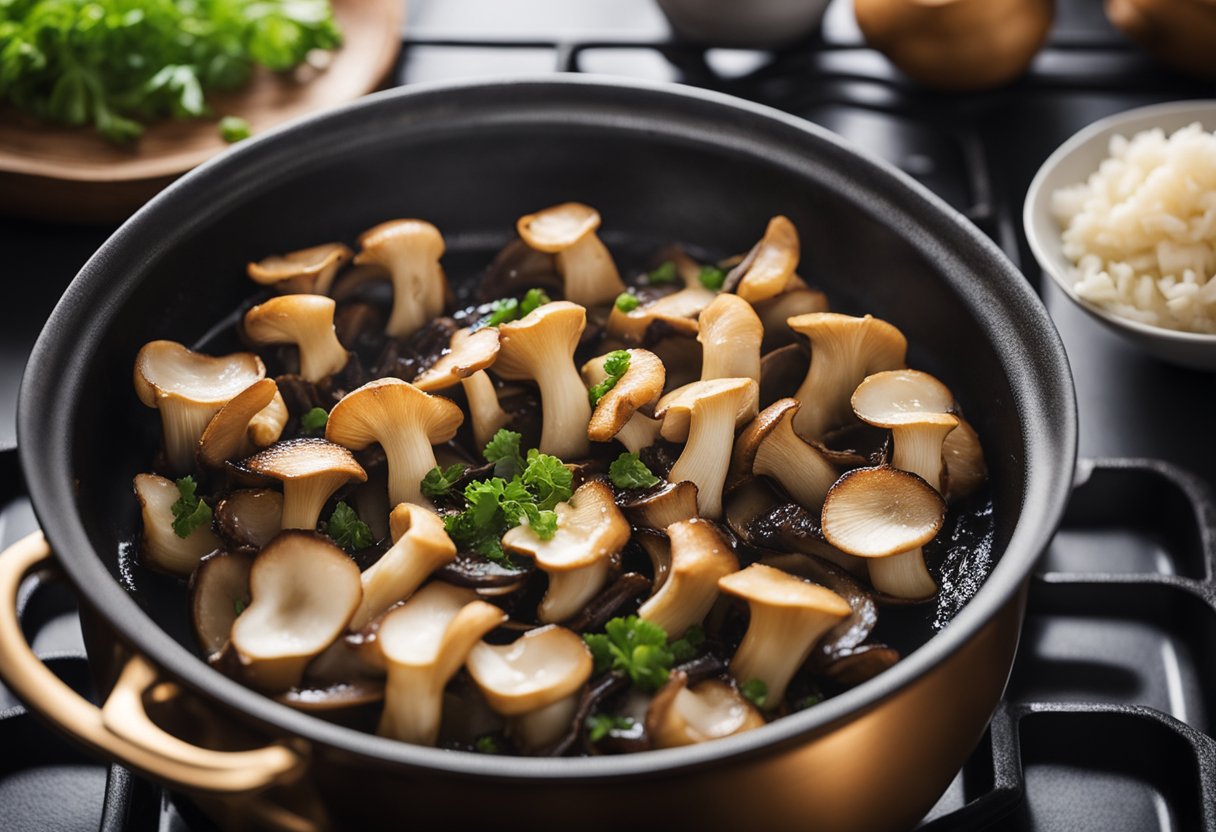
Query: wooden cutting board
column 70, row 173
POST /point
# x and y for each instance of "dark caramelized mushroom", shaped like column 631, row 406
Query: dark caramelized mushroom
column 608, row 604
column 219, row 593
column 658, row 509
column 249, row 518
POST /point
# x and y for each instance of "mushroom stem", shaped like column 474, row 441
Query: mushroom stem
column 639, row 433
column 484, row 409
column 918, row 449
column 421, row 547
column 565, row 410
column 706, row 456
column 410, row 455
column 544, row 726
column 591, row 277
column 903, row 576
column 183, row 422
column 303, row 501
column 730, row 333
column 699, row 557
column 571, row 590
column 801, row 470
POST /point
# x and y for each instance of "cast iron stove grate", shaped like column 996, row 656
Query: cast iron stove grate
column 1110, row 712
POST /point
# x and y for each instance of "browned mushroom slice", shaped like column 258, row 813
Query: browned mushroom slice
column 781, row 371
column 770, row 447
column 915, row 407
column 679, row 715
column 767, row 269
column 306, row 321
column 160, row 547
column 420, row 547
column 886, row 515
column 730, row 332
column 409, row 250
column 675, row 313
column 568, row 231
column 248, row 519
column 424, row 642
column 844, row 350
column 704, row 414
column 540, row 347
column 964, row 461
column 775, row 312
column 219, row 593
column 304, row 590
column 671, row 503
column 311, row 470
column 227, row 435
column 861, row 664
column 699, row 557
column 534, row 681
column 307, row 271
column 788, row 616
column 405, row 422
column 470, row 353
column 189, row 388
column 618, row 413
column 681, row 357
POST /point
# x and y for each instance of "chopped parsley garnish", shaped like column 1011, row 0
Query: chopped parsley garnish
column 486, row 744
column 754, row 691
column 615, row 365
column 628, row 471
column 503, row 451
column 712, row 277
column 234, row 128
column 626, row 302
column 315, row 420
column 238, row 606
column 189, row 512
column 687, row 647
column 808, row 701
column 502, row 311
column 663, row 274
column 439, row 481
column 548, row 478
column 634, row 647
column 533, row 299
column 347, row 530
column 601, row 725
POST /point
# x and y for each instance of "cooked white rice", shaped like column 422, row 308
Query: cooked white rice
column 1142, row 230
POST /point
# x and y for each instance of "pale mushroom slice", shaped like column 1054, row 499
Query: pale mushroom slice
column 768, row 268
column 529, row 679
column 189, row 388
column 788, row 616
column 420, row 546
column 679, row 715
column 618, row 414
column 219, row 593
column 160, row 546
column 699, row 556
column 844, row 350
column 469, row 353
column 311, row 470
column 775, row 312
column 229, row 434
column 303, row 591
column 424, row 642
column 673, row 502
column 916, row 408
column 589, row 275
column 540, row 347
column 306, row 321
column 309, row 271
column 409, row 250
column 886, row 515
column 770, row 447
column 963, row 454
column 249, row 518
column 590, row 530
column 730, row 333
column 405, row 422
column 704, row 415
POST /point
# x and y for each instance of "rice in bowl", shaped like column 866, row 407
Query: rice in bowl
column 1142, row 230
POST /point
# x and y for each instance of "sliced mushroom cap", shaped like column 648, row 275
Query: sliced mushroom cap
column 410, row 251
column 775, row 312
column 249, row 518
column 675, row 313
column 671, row 503
column 420, row 547
column 568, row 231
column 160, row 547
column 267, row 424
column 916, row 407
column 219, row 593
column 886, row 514
column 730, row 333
column 767, row 269
column 304, row 590
column 617, row 412
column 424, row 642
column 844, row 350
column 680, row 715
column 468, row 352
column 781, row 371
column 405, row 422
column 699, row 557
column 788, row 617
column 540, row 347
column 307, row 271
column 770, row 447
column 307, row 321
column 189, row 388
column 539, row 668
column 311, row 470
column 228, row 434
column 964, row 460
column 704, row 414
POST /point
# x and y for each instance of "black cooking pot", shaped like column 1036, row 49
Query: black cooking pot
column 661, row 163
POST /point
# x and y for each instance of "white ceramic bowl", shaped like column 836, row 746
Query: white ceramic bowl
column 1072, row 163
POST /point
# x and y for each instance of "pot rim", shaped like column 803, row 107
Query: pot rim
column 1030, row 348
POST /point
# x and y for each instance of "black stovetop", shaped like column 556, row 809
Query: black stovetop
column 1108, row 719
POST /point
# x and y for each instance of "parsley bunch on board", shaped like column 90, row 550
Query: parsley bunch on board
column 117, row 64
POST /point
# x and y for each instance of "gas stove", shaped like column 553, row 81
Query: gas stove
column 1108, row 719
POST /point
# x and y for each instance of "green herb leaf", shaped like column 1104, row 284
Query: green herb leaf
column 686, row 648
column 439, row 481
column 628, row 471
column 347, row 530
column 548, row 479
column 487, row 744
column 533, row 299
column 501, row 312
column 238, row 605
column 664, row 274
column 503, row 451
column 189, row 511
column 615, row 365
column 626, row 302
column 712, row 278
column 314, row 420
column 234, row 128
column 634, row 647
column 601, row 725
column 808, row 701
column 754, row 691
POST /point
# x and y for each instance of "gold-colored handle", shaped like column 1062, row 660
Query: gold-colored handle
column 121, row 729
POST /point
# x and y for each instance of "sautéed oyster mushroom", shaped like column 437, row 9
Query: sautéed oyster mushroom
column 581, row 505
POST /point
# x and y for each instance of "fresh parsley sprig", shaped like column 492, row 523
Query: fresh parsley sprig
column 601, row 725
column 638, row 648
column 616, row 364
column 189, row 511
column 439, row 481
column 628, row 471
column 346, row 529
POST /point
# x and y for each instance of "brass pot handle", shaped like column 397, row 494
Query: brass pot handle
column 121, row 729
